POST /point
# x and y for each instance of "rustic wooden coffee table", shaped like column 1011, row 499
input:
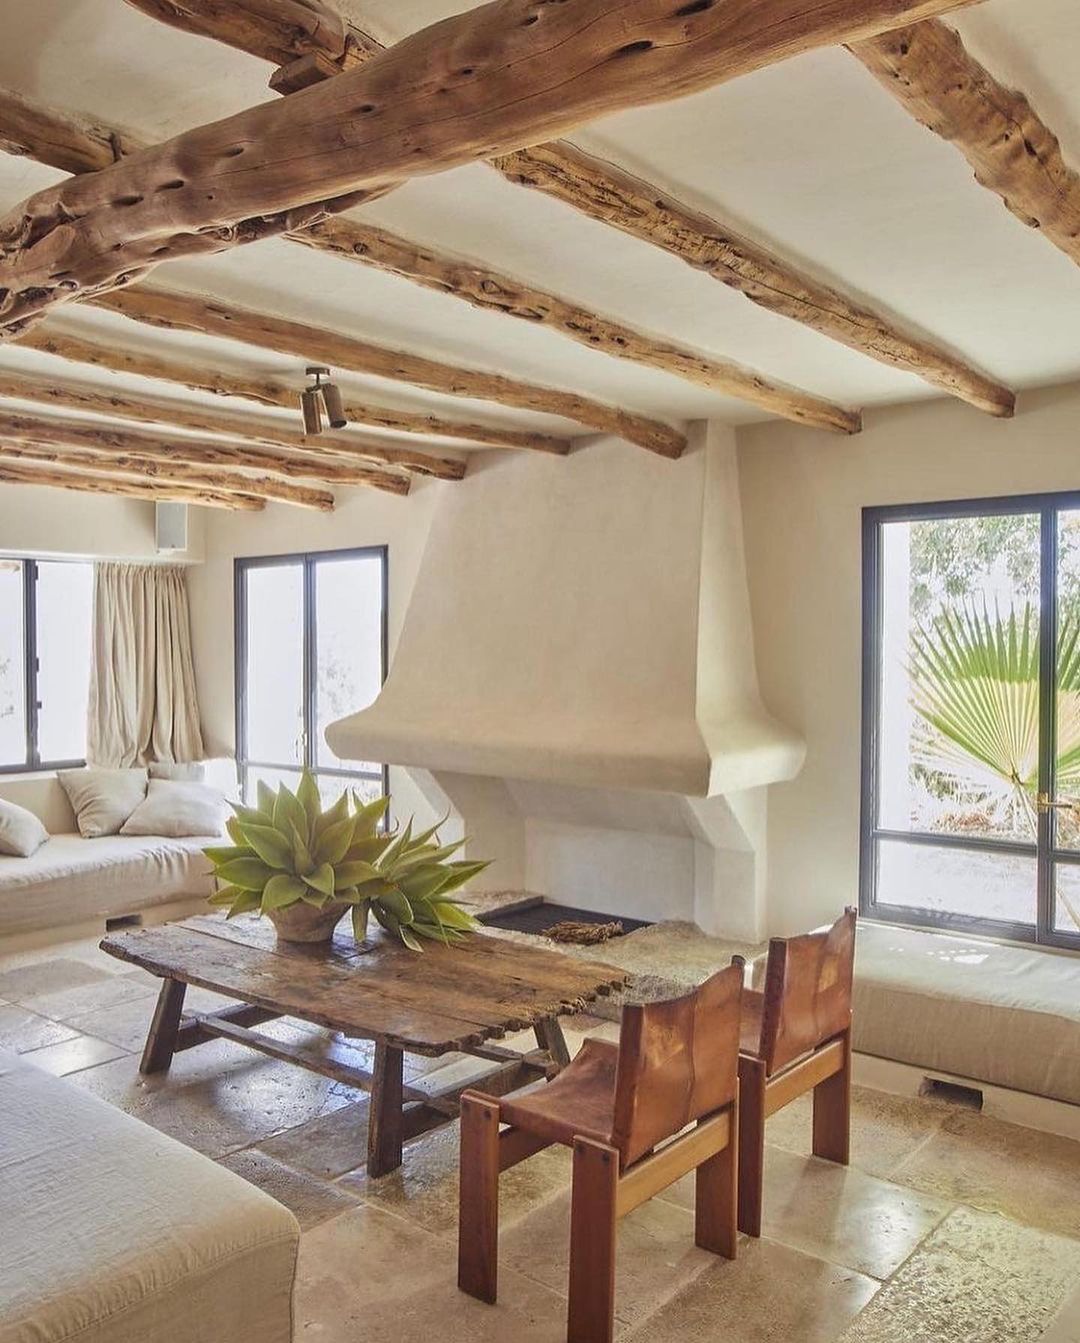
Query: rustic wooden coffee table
column 449, row 999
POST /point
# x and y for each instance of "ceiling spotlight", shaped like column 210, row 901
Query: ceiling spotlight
column 321, row 396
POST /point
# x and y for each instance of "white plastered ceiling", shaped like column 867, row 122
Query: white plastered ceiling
column 811, row 155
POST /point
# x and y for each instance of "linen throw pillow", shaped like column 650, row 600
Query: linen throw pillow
column 103, row 799
column 178, row 810
column 21, row 833
column 184, row 771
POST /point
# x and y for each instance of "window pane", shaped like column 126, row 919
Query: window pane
column 12, row 684
column 1067, row 898
column 981, row 885
column 348, row 641
column 1067, row 821
column 958, row 737
column 65, row 599
column 274, row 680
column 273, row 778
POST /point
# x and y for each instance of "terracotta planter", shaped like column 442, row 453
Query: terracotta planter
column 304, row 923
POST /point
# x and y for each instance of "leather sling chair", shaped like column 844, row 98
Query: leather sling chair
column 796, row 1037
column 624, row 1110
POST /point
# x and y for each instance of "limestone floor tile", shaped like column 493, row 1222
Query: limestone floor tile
column 217, row 1097
column 885, row 1129
column 1029, row 1176
column 837, row 1213
column 425, row 1189
column 62, row 1004
column 368, row 1275
column 770, row 1294
column 125, row 1023
column 71, row 1056
column 21, row 1029
column 978, row 1279
column 655, row 1258
column 26, row 983
column 311, row 1201
column 327, row 1146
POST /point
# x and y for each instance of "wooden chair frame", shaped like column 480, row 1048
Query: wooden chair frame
column 601, row 1194
column 824, row 1069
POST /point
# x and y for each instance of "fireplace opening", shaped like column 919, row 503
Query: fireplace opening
column 541, row 916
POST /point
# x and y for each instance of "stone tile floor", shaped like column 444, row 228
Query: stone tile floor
column 949, row 1227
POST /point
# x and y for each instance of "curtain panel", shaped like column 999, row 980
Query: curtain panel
column 143, row 704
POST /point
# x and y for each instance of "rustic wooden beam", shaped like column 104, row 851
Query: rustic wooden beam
column 929, row 71
column 608, row 193
column 174, row 310
column 57, row 447
column 477, row 85
column 72, row 144
column 14, row 473
column 197, row 378
column 486, row 288
column 339, row 454
column 611, row 196
column 479, row 285
column 16, row 427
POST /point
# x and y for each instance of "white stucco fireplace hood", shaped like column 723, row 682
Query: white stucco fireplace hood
column 578, row 635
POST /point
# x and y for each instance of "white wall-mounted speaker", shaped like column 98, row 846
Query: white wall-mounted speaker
column 170, row 527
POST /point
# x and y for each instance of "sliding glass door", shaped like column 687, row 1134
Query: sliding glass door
column 971, row 717
column 310, row 648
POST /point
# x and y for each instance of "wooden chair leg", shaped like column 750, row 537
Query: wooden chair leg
column 751, row 1144
column 591, row 1315
column 478, row 1204
column 832, row 1112
column 716, row 1196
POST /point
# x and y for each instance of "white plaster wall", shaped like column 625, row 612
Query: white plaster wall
column 362, row 518
column 40, row 521
column 802, row 495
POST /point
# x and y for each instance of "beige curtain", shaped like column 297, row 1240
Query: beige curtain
column 143, row 704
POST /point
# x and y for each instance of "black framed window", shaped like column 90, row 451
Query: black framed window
column 310, row 648
column 971, row 717
column 46, row 614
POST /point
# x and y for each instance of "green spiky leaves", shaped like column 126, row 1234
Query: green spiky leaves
column 287, row 848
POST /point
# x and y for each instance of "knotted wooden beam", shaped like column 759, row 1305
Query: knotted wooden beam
column 98, row 482
column 930, row 72
column 361, row 413
column 495, row 79
column 109, row 442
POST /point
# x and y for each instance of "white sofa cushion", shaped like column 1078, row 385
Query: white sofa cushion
column 73, row 880
column 187, row 771
column 115, row 1233
column 103, row 799
column 178, row 810
column 21, row 833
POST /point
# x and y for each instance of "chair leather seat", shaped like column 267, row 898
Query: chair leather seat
column 579, row 1102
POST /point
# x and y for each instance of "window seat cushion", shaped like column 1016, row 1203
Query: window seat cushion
column 1004, row 1015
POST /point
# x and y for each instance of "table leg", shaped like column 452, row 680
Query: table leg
column 161, row 1040
column 549, row 1036
column 385, row 1116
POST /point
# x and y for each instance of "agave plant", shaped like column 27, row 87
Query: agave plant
column 287, row 850
column 975, row 680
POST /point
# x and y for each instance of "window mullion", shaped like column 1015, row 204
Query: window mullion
column 30, row 663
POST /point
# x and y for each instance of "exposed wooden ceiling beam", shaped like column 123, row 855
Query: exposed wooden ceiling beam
column 479, row 84
column 18, row 427
column 15, row 473
column 337, row 452
column 486, row 288
column 174, row 310
column 928, row 70
column 54, row 449
column 638, row 208
column 611, row 196
column 37, row 131
column 198, row 378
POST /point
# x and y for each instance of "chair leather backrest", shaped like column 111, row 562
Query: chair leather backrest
column 678, row 1061
column 807, row 992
